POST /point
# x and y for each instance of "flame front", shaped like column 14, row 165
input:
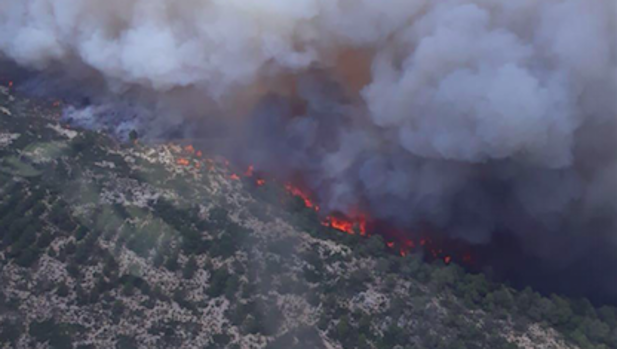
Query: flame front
column 354, row 224
column 297, row 192
column 183, row 162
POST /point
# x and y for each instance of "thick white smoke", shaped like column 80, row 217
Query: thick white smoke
column 466, row 80
column 474, row 115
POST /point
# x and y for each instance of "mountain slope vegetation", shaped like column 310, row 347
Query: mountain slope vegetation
column 107, row 244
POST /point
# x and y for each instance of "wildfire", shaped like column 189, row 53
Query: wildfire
column 347, row 225
column 210, row 163
column 189, row 149
column 250, row 171
column 183, row 162
column 398, row 241
column 302, row 195
column 340, row 224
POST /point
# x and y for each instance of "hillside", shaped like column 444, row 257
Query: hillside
column 113, row 245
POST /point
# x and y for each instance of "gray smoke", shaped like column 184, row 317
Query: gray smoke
column 472, row 115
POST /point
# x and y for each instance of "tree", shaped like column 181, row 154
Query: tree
column 159, row 259
column 189, row 268
column 27, row 257
column 44, row 239
column 84, row 250
column 375, row 246
column 503, row 298
column 608, row 315
column 128, row 288
column 363, row 342
column 133, row 136
column 364, row 325
column 49, row 331
column 560, row 312
column 218, row 281
column 10, row 333
column 250, row 325
column 231, row 286
column 172, row 261
column 443, row 277
column 70, row 248
column 358, row 280
column 62, row 290
column 343, row 328
column 126, row 342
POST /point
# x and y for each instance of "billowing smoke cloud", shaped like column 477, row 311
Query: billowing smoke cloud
column 477, row 116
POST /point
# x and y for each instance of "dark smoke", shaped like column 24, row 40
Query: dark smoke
column 483, row 118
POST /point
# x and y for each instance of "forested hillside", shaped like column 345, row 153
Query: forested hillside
column 126, row 245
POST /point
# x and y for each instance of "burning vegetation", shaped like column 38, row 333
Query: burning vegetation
column 201, row 254
column 397, row 240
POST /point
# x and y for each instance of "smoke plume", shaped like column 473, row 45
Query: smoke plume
column 476, row 116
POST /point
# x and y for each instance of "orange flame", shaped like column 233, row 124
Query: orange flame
column 349, row 226
column 189, row 149
column 250, row 171
column 299, row 193
column 342, row 225
column 183, row 162
column 358, row 223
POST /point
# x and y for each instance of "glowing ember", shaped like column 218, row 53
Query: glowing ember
column 183, row 162
column 210, row 163
column 10, row 84
column 189, row 149
column 447, row 259
column 409, row 244
column 234, row 177
column 261, row 182
column 467, row 258
column 250, row 171
column 390, row 244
